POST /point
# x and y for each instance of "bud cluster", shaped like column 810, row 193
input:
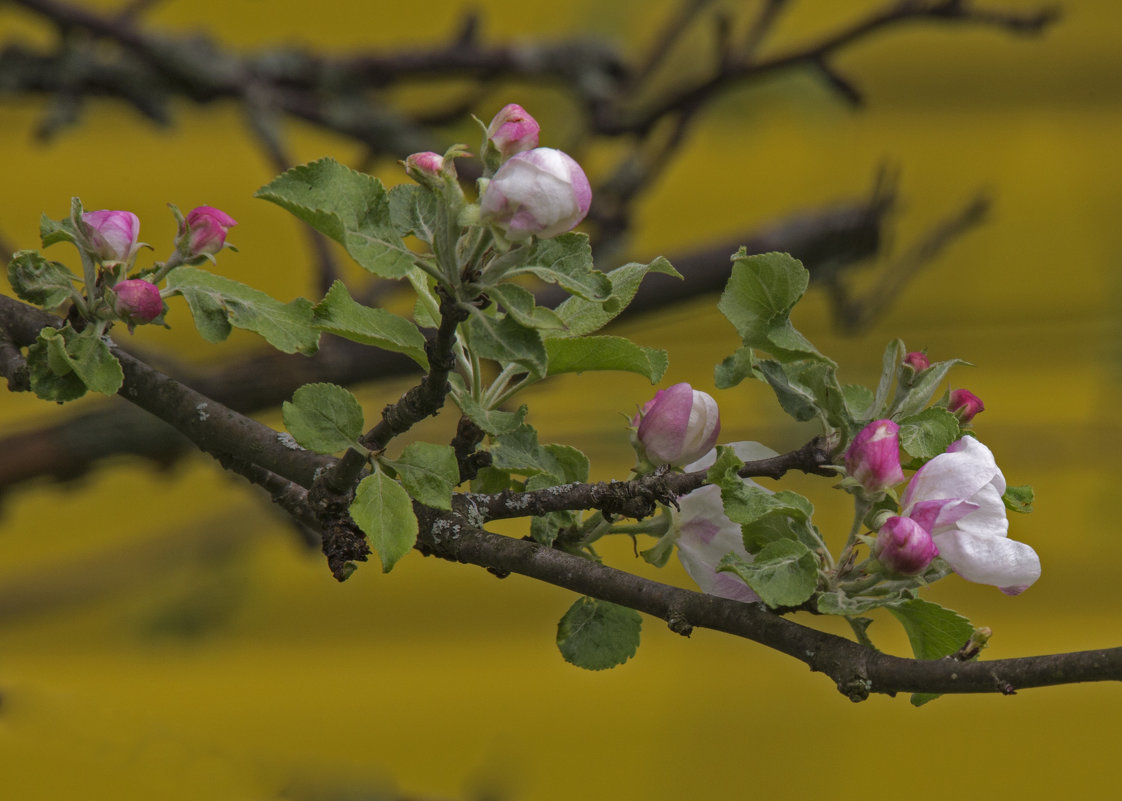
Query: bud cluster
column 527, row 191
column 109, row 241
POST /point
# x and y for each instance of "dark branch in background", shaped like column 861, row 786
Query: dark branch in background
column 70, row 448
column 342, row 94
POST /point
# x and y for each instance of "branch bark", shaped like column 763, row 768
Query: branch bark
column 857, row 671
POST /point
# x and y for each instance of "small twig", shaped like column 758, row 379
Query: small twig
column 427, row 397
column 639, row 497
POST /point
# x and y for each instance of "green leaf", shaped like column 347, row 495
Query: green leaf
column 858, row 400
column 348, row 206
column 384, row 512
column 490, row 480
column 933, row 630
column 82, row 354
column 1019, row 499
column 929, row 433
column 735, row 368
column 605, row 353
column 784, row 572
column 519, row 304
column 758, row 300
column 429, row 472
column 340, row 314
column 545, row 528
column 519, row 451
column 506, row 341
column 659, row 553
column 54, row 231
column 889, row 368
column 837, row 602
column 807, row 388
column 583, row 317
column 39, row 281
column 566, row 260
column 50, row 376
column 324, row 418
column 596, row 635
column 492, row 421
column 217, row 303
column 574, row 464
column 415, row 210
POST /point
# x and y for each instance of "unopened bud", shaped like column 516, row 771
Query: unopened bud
column 917, row 360
column 204, row 231
column 873, row 458
column 137, row 301
column 965, row 404
column 512, row 131
column 905, row 547
column 541, row 192
column 425, row 168
column 112, row 235
column 677, row 426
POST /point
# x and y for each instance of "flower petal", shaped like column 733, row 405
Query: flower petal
column 963, row 470
column 985, row 559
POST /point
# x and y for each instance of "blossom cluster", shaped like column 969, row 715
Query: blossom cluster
column 533, row 191
column 952, row 508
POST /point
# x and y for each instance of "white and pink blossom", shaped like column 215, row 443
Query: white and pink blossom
column 956, row 497
column 678, row 425
column 112, row 235
column 541, row 192
column 706, row 535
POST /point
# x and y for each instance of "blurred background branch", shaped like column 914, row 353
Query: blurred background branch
column 99, row 56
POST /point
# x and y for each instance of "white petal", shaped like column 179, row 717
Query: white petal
column 989, row 519
column 955, row 474
column 745, row 451
column 999, row 561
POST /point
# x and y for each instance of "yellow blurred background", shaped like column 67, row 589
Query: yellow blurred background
column 164, row 636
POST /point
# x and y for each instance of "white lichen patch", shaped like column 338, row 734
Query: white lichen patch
column 200, row 410
column 288, row 441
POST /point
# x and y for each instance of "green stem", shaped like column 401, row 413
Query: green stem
column 860, row 509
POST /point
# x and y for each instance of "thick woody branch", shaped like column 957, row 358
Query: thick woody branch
column 858, row 671
column 211, row 426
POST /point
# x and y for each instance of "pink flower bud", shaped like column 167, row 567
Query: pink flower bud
column 873, row 458
column 905, row 547
column 965, row 404
column 677, row 426
column 206, row 230
column 138, row 301
column 917, row 360
column 512, row 131
column 112, row 234
column 541, row 192
column 425, row 167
